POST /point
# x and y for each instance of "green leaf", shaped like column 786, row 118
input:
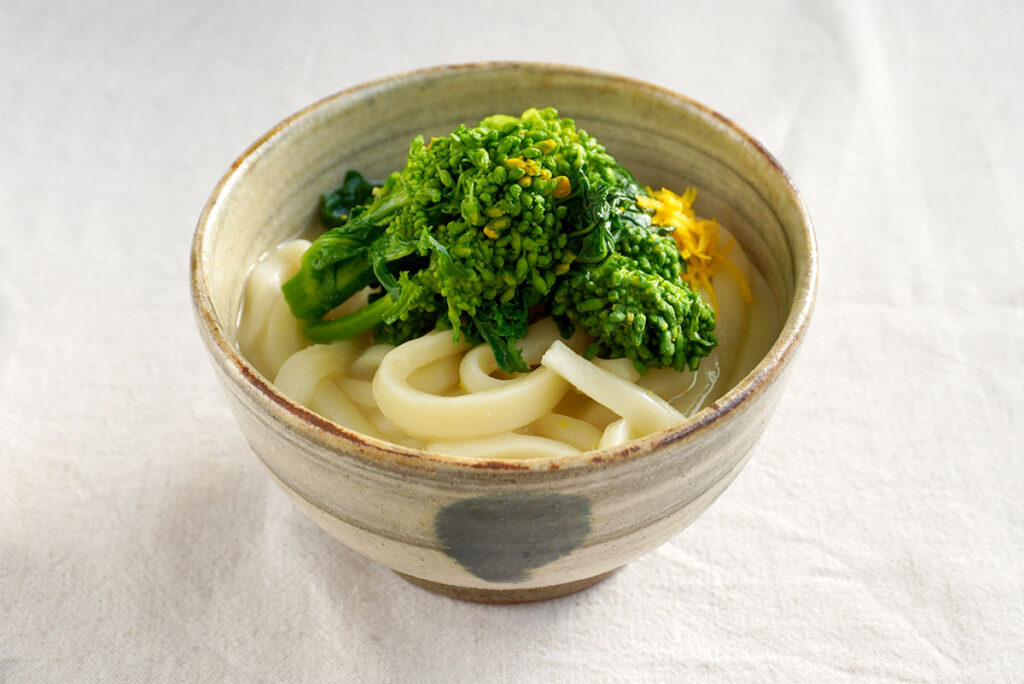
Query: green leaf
column 337, row 205
column 502, row 326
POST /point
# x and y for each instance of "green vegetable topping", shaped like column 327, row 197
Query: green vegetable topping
column 632, row 313
column 489, row 227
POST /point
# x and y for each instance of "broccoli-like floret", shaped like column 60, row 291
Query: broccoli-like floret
column 625, row 288
column 635, row 314
column 415, row 324
column 473, row 218
column 606, row 218
column 488, row 225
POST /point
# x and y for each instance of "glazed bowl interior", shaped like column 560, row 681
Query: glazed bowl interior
column 272, row 192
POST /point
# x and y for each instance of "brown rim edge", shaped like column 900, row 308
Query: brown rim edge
column 324, row 431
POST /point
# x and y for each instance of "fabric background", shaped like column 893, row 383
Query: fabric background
column 877, row 532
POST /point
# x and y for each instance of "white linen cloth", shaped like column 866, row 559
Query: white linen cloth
column 877, row 532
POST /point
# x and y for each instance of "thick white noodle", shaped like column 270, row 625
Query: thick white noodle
column 267, row 332
column 505, row 445
column 436, row 377
column 574, row 431
column 263, row 288
column 303, row 371
column 366, row 365
column 282, row 338
column 618, row 432
column 516, row 403
column 643, row 409
column 624, row 368
column 584, row 408
column 331, row 403
column 476, row 368
column 478, row 363
column 359, row 391
column 391, row 432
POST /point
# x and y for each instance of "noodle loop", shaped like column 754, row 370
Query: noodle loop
column 514, row 404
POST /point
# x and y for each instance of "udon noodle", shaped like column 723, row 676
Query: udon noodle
column 450, row 398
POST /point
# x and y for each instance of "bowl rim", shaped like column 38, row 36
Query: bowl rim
column 346, row 443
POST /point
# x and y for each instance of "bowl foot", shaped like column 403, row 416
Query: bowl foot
column 505, row 596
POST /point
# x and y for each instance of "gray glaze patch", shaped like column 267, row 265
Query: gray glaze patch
column 501, row 537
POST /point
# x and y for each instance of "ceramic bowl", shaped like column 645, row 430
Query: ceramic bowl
column 500, row 530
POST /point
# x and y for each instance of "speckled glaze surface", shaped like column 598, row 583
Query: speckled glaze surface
column 500, row 531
